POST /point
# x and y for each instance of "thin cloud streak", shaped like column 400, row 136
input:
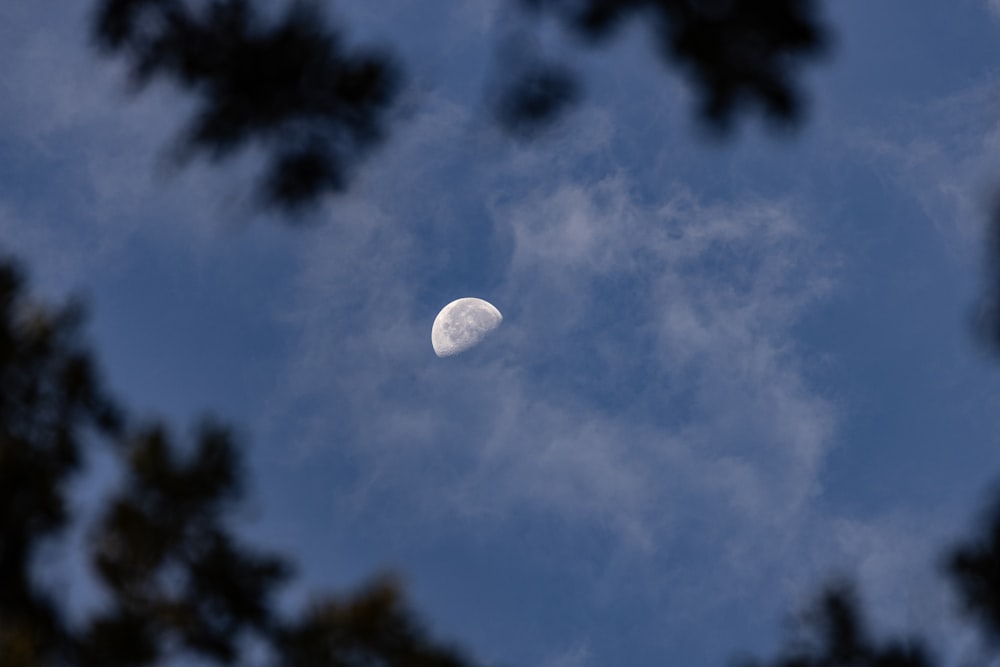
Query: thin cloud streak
column 546, row 421
column 719, row 446
column 952, row 173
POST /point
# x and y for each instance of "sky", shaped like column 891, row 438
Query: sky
column 727, row 370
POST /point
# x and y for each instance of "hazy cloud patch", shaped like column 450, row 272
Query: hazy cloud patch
column 679, row 404
column 947, row 158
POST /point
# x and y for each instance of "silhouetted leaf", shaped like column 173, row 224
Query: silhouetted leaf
column 535, row 97
column 974, row 568
column 834, row 633
column 736, row 53
column 291, row 86
column 373, row 626
column 178, row 581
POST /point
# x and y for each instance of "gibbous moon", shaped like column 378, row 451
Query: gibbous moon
column 462, row 324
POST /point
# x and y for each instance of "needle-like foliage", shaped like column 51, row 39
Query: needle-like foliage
column 178, row 580
column 290, row 86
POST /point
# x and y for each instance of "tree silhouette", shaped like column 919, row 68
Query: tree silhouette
column 292, row 87
column 835, row 635
column 49, row 400
column 835, row 632
column 178, row 580
column 318, row 109
column 974, row 569
column 738, row 53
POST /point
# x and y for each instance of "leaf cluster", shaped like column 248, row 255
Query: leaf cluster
column 177, row 580
column 318, row 108
column 835, row 633
column 291, row 86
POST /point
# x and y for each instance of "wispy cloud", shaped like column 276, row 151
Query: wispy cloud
column 88, row 162
column 646, row 411
column 578, row 655
column 646, row 383
column 945, row 156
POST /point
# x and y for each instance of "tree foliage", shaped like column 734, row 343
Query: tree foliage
column 290, row 86
column 178, row 581
column 318, row 108
column 834, row 631
column 738, row 53
column 835, row 635
column 177, row 577
column 974, row 569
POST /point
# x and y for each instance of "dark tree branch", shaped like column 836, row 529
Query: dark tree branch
column 315, row 106
column 835, row 634
column 178, row 580
column 318, row 108
column 974, row 569
column 736, row 53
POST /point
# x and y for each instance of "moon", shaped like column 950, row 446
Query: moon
column 462, row 324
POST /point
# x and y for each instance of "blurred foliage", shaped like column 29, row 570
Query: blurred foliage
column 177, row 581
column 317, row 108
column 738, row 54
column 49, row 401
column 371, row 628
column 531, row 95
column 974, row 569
column 290, row 86
column 834, row 633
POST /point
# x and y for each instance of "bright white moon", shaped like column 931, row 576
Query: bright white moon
column 462, row 324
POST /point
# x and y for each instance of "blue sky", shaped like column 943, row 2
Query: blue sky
column 726, row 369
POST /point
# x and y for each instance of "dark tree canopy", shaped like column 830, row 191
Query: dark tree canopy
column 291, row 86
column 974, row 569
column 373, row 627
column 835, row 634
column 318, row 108
column 737, row 53
column 178, row 581
column 177, row 575
column 49, row 402
column 531, row 95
